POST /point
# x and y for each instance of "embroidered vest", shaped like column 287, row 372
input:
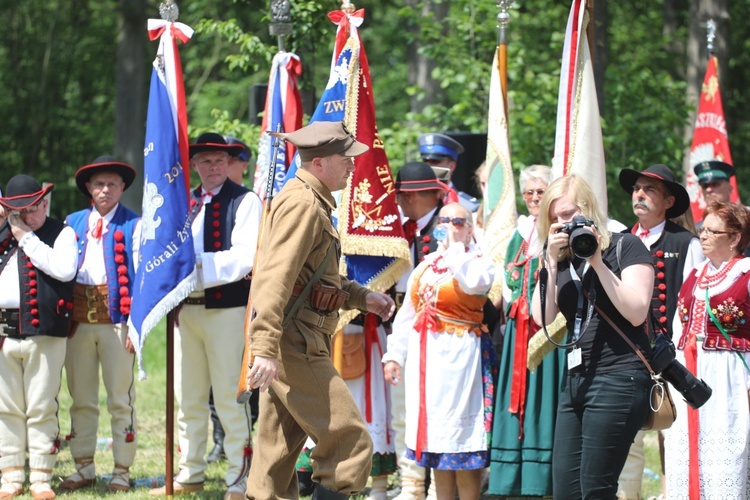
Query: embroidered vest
column 118, row 256
column 219, row 220
column 425, row 244
column 46, row 303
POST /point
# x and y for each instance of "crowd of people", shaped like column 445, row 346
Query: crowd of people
column 437, row 381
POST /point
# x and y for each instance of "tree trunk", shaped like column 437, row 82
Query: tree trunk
column 697, row 55
column 131, row 80
column 421, row 67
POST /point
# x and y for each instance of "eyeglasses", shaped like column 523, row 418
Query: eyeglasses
column 531, row 192
column 30, row 210
column 456, row 221
column 713, row 232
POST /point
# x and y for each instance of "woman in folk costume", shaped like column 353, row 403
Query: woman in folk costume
column 526, row 404
column 448, row 369
column 707, row 451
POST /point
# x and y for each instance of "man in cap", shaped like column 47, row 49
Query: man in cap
column 108, row 234
column 208, row 339
column 420, row 197
column 441, row 152
column 238, row 163
column 713, row 177
column 297, row 292
column 38, row 262
column 656, row 198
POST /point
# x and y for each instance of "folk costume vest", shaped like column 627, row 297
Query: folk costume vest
column 425, row 243
column 668, row 253
column 46, row 303
column 218, row 223
column 118, row 256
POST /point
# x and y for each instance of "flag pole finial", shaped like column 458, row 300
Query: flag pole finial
column 281, row 21
column 169, row 11
column 503, row 18
column 710, row 35
column 347, row 6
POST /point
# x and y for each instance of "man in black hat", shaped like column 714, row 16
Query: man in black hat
column 297, row 293
column 38, row 262
column 108, row 234
column 441, row 152
column 209, row 339
column 656, row 198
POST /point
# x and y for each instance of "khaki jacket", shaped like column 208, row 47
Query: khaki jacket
column 296, row 238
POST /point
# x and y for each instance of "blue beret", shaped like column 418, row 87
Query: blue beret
column 438, row 146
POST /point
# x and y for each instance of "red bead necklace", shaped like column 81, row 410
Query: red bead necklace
column 705, row 281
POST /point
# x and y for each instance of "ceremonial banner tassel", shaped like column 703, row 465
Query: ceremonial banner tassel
column 578, row 137
column 710, row 139
column 166, row 268
column 500, row 199
column 283, row 112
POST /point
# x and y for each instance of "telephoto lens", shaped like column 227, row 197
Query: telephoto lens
column 695, row 391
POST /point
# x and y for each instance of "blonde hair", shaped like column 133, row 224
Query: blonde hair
column 578, row 191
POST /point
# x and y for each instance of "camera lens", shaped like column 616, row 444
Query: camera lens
column 583, row 243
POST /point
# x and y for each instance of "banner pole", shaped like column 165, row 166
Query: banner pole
column 503, row 18
column 170, row 404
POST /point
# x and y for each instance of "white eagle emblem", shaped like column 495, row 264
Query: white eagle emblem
column 152, row 200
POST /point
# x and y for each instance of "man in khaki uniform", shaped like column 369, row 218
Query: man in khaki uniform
column 305, row 394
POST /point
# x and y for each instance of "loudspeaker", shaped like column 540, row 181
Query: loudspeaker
column 475, row 152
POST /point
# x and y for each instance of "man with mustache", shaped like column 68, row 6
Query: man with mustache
column 107, row 238
column 657, row 197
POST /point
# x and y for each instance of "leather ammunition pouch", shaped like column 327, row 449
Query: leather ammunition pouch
column 324, row 299
column 9, row 323
column 353, row 362
column 91, row 303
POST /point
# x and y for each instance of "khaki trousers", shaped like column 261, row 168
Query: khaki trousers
column 30, row 371
column 208, row 353
column 91, row 346
column 631, row 477
column 310, row 398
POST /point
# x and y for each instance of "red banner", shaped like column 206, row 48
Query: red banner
column 710, row 139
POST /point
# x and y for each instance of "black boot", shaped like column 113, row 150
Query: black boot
column 323, row 493
column 217, row 453
column 306, row 484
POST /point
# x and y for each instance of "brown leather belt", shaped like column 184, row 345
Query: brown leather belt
column 91, row 303
column 195, row 301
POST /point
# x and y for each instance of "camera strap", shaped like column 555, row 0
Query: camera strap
column 722, row 330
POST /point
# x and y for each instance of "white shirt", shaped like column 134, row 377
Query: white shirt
column 228, row 266
column 59, row 261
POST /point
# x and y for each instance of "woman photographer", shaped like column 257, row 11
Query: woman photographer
column 604, row 398
column 707, row 451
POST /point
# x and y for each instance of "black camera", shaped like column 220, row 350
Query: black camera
column 696, row 392
column 582, row 242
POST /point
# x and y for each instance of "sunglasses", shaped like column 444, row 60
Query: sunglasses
column 531, row 192
column 456, row 221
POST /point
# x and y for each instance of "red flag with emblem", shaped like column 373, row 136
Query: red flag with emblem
column 710, row 139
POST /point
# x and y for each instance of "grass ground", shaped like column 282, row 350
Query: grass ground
column 150, row 460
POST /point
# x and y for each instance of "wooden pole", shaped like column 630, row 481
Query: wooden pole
column 168, row 482
column 503, row 18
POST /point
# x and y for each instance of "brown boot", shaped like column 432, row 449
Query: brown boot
column 85, row 475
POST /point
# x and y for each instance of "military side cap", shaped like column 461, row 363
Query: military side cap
column 438, row 146
column 321, row 139
column 628, row 177
column 211, row 141
column 22, row 192
column 246, row 153
column 712, row 171
column 418, row 176
column 104, row 163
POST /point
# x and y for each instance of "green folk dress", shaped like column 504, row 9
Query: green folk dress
column 526, row 403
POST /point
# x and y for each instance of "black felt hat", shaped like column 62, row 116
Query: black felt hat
column 211, row 141
column 628, row 177
column 23, row 191
column 104, row 163
column 418, row 176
